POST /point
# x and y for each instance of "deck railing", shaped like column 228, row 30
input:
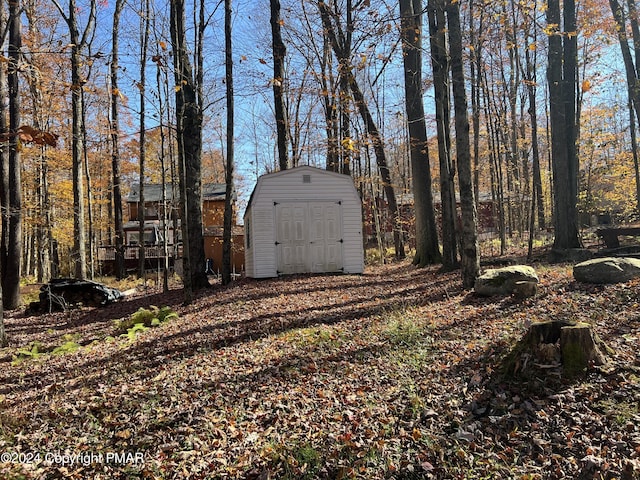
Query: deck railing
column 132, row 252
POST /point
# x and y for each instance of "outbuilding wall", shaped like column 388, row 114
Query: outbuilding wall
column 298, row 187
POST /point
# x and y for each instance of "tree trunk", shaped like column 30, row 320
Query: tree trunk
column 142, row 85
column 228, row 201
column 78, row 44
column 562, row 116
column 631, row 70
column 427, row 248
column 440, row 64
column 531, row 82
column 470, row 257
column 189, row 133
column 79, row 236
column 119, row 267
column 11, row 271
column 4, row 174
column 4, row 341
column 329, row 106
column 89, row 190
column 372, row 129
column 634, row 153
column 279, row 54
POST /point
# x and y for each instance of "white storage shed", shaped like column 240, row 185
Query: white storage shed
column 303, row 220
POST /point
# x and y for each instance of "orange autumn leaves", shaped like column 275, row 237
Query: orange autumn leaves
column 28, row 134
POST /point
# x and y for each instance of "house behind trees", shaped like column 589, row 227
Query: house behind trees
column 164, row 220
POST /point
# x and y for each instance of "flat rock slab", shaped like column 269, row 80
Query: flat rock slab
column 505, row 281
column 607, row 270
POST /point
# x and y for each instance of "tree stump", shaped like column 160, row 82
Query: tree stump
column 572, row 346
column 580, row 347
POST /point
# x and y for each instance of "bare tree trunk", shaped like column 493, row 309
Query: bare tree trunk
column 4, row 183
column 531, row 82
column 78, row 44
column 228, row 202
column 469, row 254
column 189, row 132
column 279, row 54
column 337, row 43
column 427, row 249
column 119, row 266
column 561, row 82
column 437, row 28
column 158, row 60
column 87, row 177
column 144, row 37
column 634, row 152
column 631, row 70
column 11, row 271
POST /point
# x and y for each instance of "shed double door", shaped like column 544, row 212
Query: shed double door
column 309, row 237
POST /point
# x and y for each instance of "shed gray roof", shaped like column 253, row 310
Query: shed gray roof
column 153, row 192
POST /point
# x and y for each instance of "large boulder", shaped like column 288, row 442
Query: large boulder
column 607, row 270
column 507, row 280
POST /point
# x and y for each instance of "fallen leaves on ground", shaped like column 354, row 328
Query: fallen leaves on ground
column 390, row 374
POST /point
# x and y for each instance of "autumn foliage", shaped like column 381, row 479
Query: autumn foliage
column 396, row 373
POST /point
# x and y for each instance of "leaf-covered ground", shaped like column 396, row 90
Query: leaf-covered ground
column 391, row 374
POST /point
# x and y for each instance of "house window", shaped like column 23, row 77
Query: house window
column 150, row 210
column 149, row 238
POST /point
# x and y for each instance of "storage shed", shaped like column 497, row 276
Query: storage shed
column 303, row 220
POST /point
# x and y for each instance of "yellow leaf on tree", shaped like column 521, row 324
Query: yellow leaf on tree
column 163, row 45
column 586, row 86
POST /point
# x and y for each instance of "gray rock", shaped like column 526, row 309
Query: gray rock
column 607, row 270
column 505, row 281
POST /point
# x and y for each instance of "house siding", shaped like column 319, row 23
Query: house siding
column 286, row 187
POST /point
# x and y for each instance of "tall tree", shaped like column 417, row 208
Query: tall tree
column 13, row 247
column 3, row 161
column 228, row 202
column 115, row 144
column 4, row 341
column 142, row 85
column 631, row 70
column 278, row 82
column 531, row 81
column 440, row 66
column 427, row 249
column 78, row 42
column 189, row 136
column 562, row 96
column 469, row 236
column 337, row 39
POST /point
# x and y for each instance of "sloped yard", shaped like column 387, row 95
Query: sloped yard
column 391, row 374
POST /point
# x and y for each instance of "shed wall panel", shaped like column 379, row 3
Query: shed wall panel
column 312, row 186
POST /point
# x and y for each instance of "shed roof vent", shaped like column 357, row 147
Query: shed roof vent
column 306, row 178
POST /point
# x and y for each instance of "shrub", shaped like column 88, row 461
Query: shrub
column 144, row 319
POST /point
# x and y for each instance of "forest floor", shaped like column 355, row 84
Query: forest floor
column 396, row 373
